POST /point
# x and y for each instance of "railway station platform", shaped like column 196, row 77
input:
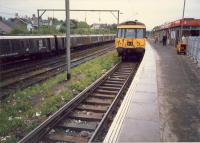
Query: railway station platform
column 162, row 102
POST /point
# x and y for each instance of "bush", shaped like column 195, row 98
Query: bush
column 19, row 31
column 86, row 31
column 45, row 30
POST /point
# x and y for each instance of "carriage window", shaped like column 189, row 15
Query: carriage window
column 140, row 33
column 119, row 33
column 130, row 33
column 123, row 33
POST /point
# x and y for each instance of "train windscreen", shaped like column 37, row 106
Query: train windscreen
column 131, row 33
column 140, row 33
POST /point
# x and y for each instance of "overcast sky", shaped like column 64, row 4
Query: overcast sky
column 151, row 12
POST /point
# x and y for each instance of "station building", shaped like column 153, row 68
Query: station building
column 191, row 27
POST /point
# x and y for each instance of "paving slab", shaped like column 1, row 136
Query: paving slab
column 135, row 129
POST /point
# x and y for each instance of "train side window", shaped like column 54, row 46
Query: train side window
column 123, row 33
column 140, row 33
column 119, row 33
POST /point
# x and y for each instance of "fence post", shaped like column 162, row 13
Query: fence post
column 188, row 46
column 198, row 52
column 193, row 47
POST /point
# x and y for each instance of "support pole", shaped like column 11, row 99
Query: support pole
column 68, row 58
column 118, row 17
column 38, row 12
column 184, row 9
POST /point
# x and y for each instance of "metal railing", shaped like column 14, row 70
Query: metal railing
column 193, row 49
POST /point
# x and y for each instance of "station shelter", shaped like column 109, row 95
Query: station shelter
column 189, row 26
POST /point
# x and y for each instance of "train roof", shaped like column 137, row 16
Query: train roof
column 132, row 23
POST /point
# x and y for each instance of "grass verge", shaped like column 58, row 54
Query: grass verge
column 24, row 110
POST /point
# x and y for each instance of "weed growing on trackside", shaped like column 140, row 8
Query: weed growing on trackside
column 19, row 112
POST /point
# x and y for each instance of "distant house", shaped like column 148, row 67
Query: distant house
column 98, row 26
column 4, row 28
column 18, row 23
column 34, row 21
column 29, row 27
column 27, row 23
column 45, row 22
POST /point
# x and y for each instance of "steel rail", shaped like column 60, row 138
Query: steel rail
column 111, row 108
column 8, row 88
column 57, row 116
column 63, row 113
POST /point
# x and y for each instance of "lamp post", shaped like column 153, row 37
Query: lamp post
column 68, row 58
column 182, row 21
column 184, row 8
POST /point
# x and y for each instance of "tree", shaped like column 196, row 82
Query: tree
column 73, row 23
column 83, row 24
column 62, row 29
column 113, row 27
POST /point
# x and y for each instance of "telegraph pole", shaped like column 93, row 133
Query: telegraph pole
column 68, row 58
column 38, row 12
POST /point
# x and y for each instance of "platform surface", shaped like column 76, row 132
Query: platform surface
column 138, row 117
column 163, row 101
column 179, row 95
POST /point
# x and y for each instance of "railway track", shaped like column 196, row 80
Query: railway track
column 20, row 77
column 85, row 118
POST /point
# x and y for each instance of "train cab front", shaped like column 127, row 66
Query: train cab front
column 130, row 40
